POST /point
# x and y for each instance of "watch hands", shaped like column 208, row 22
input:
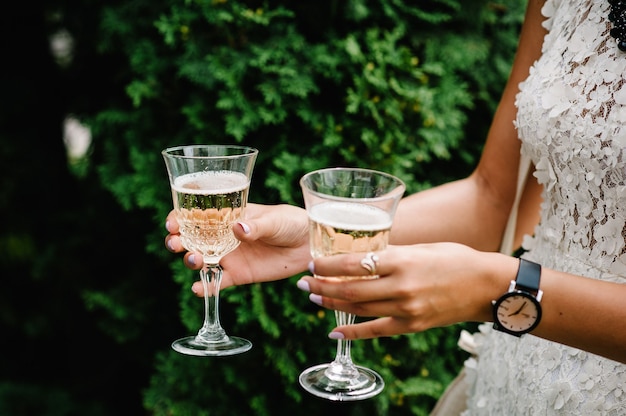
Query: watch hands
column 519, row 310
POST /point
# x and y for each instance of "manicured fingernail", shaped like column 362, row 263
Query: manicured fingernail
column 303, row 285
column 312, row 267
column 191, row 259
column 193, row 289
column 167, row 226
column 336, row 335
column 169, row 245
column 245, row 227
column 317, row 299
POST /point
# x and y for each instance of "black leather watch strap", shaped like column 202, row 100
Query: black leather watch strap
column 528, row 275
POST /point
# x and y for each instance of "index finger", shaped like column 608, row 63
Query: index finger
column 335, row 294
column 353, row 264
column 171, row 223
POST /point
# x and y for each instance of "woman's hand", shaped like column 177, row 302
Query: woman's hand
column 420, row 287
column 274, row 245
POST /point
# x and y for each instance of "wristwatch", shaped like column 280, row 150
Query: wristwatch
column 518, row 311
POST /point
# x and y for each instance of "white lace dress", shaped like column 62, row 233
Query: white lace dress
column 572, row 123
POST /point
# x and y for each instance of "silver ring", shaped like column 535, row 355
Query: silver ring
column 369, row 263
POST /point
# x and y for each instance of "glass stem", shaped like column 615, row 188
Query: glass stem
column 342, row 368
column 211, row 331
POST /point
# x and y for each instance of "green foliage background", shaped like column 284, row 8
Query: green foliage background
column 91, row 299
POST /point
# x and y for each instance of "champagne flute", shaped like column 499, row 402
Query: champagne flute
column 350, row 210
column 210, row 186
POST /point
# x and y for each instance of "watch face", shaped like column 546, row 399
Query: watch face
column 517, row 313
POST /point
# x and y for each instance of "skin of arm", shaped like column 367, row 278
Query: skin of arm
column 425, row 283
column 437, row 284
column 474, row 210
column 438, row 214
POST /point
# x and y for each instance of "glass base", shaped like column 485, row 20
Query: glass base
column 194, row 346
column 366, row 384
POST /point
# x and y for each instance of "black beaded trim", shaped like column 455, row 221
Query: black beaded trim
column 617, row 16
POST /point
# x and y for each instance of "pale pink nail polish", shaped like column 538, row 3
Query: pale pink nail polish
column 303, row 285
column 245, row 227
column 315, row 298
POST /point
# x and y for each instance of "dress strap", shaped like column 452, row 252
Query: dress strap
column 506, row 246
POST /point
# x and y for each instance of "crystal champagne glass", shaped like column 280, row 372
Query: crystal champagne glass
column 350, row 210
column 210, row 186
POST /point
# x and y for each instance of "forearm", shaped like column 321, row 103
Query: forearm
column 576, row 311
column 456, row 212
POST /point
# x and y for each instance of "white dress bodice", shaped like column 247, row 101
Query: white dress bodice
column 572, row 123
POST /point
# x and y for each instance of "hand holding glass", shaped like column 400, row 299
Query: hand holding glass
column 350, row 210
column 210, row 186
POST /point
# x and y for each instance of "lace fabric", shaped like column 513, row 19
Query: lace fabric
column 572, row 123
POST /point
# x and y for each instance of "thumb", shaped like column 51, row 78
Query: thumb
column 280, row 226
column 252, row 230
column 243, row 231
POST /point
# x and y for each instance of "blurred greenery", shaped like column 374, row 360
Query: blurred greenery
column 91, row 299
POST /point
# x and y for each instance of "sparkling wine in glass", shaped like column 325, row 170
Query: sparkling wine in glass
column 350, row 210
column 210, row 186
